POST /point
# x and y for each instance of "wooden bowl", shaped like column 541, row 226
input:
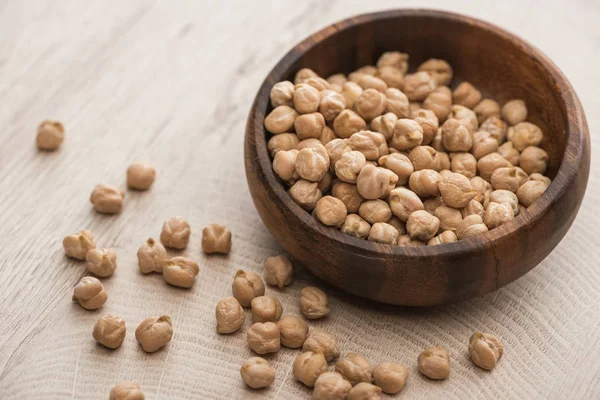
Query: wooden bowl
column 503, row 67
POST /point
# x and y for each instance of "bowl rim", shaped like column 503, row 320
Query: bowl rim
column 575, row 128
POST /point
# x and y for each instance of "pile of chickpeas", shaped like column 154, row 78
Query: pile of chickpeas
column 400, row 158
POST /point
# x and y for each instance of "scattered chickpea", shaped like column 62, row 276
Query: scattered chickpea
column 397, row 103
column 456, row 136
column 109, row 331
column 440, row 102
column 399, row 164
column 293, row 331
column 306, row 194
column 282, row 142
column 264, row 337
column 530, row 191
column 107, row 199
column 464, row 164
column 483, row 144
column 101, row 262
column 382, row 232
column 153, row 333
column 351, row 91
column 331, row 386
column 355, row 368
column 485, row 109
column 442, row 238
column 306, row 99
column 312, row 163
column 456, row 190
column 403, row 202
column 140, row 176
column 216, row 239
column 364, row 391
column 471, row 225
column 514, row 111
column 308, row 366
column 152, row 257
column 486, row 165
column 175, row 233
column 313, row 303
column 434, row 363
column 256, row 373
column 90, row 293
column 77, row 245
column 50, row 135
column 496, row 127
column 356, row 226
column 370, row 104
column 390, row 377
column 266, row 309
column 533, row 160
column 281, row 119
column 348, row 194
column 466, row 95
column 282, row 94
column 496, row 214
column 246, row 286
column 279, row 271
column 375, row 211
column 180, row 272
column 374, row 182
column 230, row 315
column 322, row 341
column 419, row 85
column 126, row 391
column 440, row 70
column 407, row 134
column 485, row 350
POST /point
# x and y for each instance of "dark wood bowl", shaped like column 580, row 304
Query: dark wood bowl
column 503, row 67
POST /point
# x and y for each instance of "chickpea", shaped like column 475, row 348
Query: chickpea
column 419, row 85
column 407, row 134
column 153, row 333
column 437, row 143
column 422, row 157
column 77, row 245
column 466, row 95
column 335, row 149
column 375, row 211
column 89, row 293
column 109, row 331
column 308, row 366
column 491, row 162
column 246, row 286
column 525, row 134
column 348, row 123
column 281, row 119
column 371, row 144
column 332, row 103
column 351, row 91
column 440, row 70
column 355, row 368
column 337, row 81
column 293, row 331
column 399, row 225
column 399, row 164
column 422, row 226
column 456, row 190
column 483, row 144
column 449, row 217
column 370, row 104
column 392, row 76
column 430, row 205
column 496, row 127
column 107, row 199
column 50, row 135
column 331, row 211
column 363, row 391
column 304, row 74
column 441, row 161
column 264, row 338
column 425, row 182
column 152, row 257
column 318, row 83
column 175, row 233
column 366, row 81
column 390, row 377
column 434, row 363
column 101, row 262
column 440, row 102
column 309, row 126
column 533, row 160
column 466, row 116
column 482, row 186
column 331, row 386
column 230, row 315
column 508, row 151
column 366, row 70
column 322, row 341
column 428, row 121
column 530, row 191
column 514, row 111
column 313, row 303
column 306, row 194
column 282, row 142
column 503, row 196
column 471, row 225
column 382, row 232
column 348, row 194
column 539, row 177
column 306, row 99
column 456, row 136
column 485, row 350
column 312, row 163
column 403, row 202
column 497, row 214
column 405, row 240
column 126, row 391
column 266, row 309
column 508, row 178
column 180, row 272
column 485, row 109
column 374, row 182
column 442, row 238
column 216, row 239
column 282, row 94
column 309, row 143
column 256, row 373
column 356, row 226
column 473, row 208
column 279, row 271
column 327, row 135
column 385, row 124
column 394, row 59
column 464, row 164
column 397, row 103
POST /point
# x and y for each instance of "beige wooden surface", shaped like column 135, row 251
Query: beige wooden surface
column 171, row 82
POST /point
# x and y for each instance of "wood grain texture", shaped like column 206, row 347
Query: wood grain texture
column 503, row 67
column 173, row 85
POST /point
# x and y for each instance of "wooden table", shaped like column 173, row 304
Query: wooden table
column 171, row 83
